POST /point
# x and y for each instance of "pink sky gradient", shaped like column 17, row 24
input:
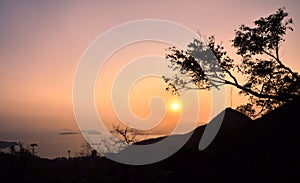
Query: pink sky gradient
column 41, row 44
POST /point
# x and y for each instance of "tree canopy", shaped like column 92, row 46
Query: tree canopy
column 267, row 81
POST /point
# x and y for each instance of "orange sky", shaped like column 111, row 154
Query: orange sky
column 144, row 90
column 41, row 44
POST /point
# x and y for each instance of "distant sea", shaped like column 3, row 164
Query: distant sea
column 50, row 144
column 53, row 144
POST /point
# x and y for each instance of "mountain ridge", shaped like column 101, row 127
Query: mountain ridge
column 244, row 150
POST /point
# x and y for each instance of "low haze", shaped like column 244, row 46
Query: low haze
column 41, row 44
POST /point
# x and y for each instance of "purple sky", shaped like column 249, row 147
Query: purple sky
column 41, row 43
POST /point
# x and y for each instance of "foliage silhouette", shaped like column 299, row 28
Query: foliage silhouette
column 126, row 134
column 86, row 149
column 33, row 145
column 268, row 82
column 12, row 149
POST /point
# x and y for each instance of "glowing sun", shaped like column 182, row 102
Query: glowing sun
column 175, row 106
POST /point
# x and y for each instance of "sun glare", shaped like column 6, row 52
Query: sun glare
column 175, row 106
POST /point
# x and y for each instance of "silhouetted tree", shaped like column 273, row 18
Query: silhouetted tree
column 86, row 149
column 69, row 154
column 268, row 82
column 127, row 135
column 22, row 149
column 33, row 145
column 94, row 153
column 12, row 149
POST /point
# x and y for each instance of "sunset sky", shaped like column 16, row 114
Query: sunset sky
column 41, row 43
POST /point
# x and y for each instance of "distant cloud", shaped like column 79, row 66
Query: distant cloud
column 91, row 132
column 67, row 132
column 72, row 132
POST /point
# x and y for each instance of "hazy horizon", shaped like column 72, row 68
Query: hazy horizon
column 41, row 44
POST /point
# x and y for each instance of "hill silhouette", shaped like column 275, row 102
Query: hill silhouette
column 244, row 150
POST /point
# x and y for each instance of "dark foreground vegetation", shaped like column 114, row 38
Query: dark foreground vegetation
column 262, row 150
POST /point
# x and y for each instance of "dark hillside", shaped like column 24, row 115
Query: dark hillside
column 263, row 150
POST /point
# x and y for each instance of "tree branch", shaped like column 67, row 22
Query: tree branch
column 230, row 74
column 227, row 71
column 281, row 64
column 284, row 98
